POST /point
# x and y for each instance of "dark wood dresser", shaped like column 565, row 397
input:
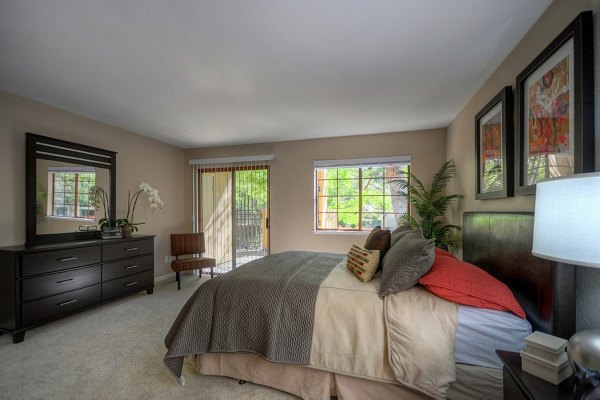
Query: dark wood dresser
column 42, row 283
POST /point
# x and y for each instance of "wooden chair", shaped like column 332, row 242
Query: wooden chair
column 189, row 244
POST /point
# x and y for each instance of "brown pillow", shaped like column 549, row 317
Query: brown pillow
column 409, row 258
column 379, row 239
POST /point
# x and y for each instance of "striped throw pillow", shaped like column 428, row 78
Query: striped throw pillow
column 362, row 262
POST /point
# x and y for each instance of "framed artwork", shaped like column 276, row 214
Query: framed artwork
column 555, row 106
column 493, row 147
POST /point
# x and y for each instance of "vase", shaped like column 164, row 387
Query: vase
column 126, row 232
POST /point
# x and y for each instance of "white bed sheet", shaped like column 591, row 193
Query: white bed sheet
column 482, row 331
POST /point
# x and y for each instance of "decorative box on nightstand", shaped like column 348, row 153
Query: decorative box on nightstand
column 520, row 385
column 545, row 356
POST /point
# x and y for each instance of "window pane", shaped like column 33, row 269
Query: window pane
column 327, row 221
column 58, row 184
column 331, row 173
column 391, row 221
column 327, row 187
column 85, row 212
column 373, row 172
column 83, row 200
column 392, row 186
column 372, row 185
column 60, row 211
column 347, row 173
column 69, row 198
column 395, row 204
column 348, row 187
column 348, row 204
column 371, row 220
column 348, row 220
column 396, row 172
column 327, row 204
column 372, row 203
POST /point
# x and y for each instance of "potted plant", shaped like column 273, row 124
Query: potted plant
column 99, row 197
column 127, row 224
column 430, row 205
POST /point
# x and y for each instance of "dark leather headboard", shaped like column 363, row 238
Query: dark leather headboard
column 500, row 243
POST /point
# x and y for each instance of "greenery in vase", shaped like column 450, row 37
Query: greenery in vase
column 430, row 204
column 153, row 198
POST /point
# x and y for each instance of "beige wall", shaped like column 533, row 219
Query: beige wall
column 139, row 159
column 461, row 136
column 292, row 184
column 461, row 132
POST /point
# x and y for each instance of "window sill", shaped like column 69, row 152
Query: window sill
column 323, row 232
column 91, row 221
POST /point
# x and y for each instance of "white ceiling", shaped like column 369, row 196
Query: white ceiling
column 200, row 73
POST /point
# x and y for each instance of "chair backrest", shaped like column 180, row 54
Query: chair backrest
column 187, row 243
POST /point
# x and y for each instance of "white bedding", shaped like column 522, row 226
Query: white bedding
column 409, row 337
column 482, row 331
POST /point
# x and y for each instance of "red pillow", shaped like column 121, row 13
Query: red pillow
column 464, row 283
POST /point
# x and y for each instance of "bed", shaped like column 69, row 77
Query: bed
column 498, row 243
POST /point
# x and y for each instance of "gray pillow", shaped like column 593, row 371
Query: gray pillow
column 409, row 258
column 402, row 231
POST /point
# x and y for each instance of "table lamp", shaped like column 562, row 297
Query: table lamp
column 566, row 229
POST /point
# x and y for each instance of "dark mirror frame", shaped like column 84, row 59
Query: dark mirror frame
column 43, row 147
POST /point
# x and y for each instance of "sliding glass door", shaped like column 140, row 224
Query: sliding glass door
column 234, row 213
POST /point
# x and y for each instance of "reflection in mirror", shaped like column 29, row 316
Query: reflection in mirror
column 63, row 199
column 60, row 177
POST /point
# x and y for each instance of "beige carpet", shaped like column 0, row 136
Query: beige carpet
column 112, row 352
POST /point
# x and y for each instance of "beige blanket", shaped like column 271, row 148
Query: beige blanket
column 408, row 337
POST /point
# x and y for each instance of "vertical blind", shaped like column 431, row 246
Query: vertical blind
column 228, row 203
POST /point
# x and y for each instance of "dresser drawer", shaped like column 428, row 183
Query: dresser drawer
column 61, row 282
column 116, row 251
column 56, row 260
column 38, row 310
column 118, row 269
column 132, row 283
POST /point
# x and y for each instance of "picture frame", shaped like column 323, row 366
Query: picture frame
column 555, row 107
column 494, row 147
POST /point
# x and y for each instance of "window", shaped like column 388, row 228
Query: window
column 358, row 195
column 70, row 193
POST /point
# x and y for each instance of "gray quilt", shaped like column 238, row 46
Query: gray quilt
column 265, row 307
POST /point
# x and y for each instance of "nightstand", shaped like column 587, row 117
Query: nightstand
column 522, row 385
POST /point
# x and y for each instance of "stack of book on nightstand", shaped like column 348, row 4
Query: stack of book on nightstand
column 545, row 356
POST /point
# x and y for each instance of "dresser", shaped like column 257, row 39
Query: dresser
column 42, row 283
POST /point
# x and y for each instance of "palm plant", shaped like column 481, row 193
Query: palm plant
column 430, row 205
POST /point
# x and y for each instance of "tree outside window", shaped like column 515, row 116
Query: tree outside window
column 359, row 198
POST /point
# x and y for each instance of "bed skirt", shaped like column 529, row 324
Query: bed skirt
column 312, row 384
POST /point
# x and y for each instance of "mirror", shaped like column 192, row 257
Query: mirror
column 62, row 179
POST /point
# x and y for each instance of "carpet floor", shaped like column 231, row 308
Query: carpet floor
column 114, row 351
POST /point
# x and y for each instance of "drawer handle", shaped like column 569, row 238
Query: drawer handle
column 131, row 266
column 131, row 248
column 66, row 259
column 65, row 281
column 67, row 302
column 131, row 283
